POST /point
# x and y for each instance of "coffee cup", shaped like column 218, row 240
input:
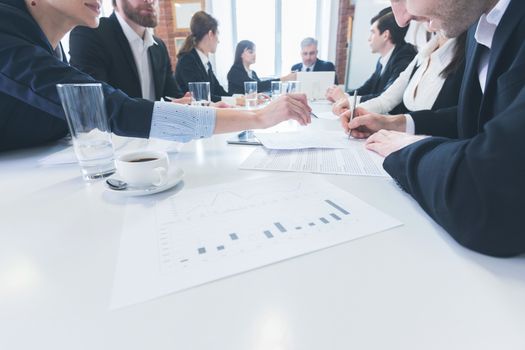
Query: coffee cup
column 143, row 168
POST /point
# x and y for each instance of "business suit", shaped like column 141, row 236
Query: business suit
column 105, row 54
column 30, row 110
column 401, row 57
column 238, row 75
column 319, row 66
column 190, row 69
column 475, row 186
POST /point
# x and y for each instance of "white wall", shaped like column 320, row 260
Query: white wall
column 362, row 61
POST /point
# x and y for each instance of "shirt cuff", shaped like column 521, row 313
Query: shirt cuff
column 410, row 125
column 182, row 123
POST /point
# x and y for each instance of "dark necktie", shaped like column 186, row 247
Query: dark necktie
column 379, row 68
column 210, row 71
column 308, row 69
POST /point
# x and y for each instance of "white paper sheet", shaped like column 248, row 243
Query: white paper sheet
column 306, row 139
column 327, row 115
column 205, row 234
column 355, row 161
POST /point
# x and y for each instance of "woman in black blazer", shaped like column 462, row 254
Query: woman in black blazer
column 240, row 71
column 193, row 63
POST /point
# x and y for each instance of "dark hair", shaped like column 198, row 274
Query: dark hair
column 239, row 50
column 386, row 21
column 459, row 57
column 201, row 23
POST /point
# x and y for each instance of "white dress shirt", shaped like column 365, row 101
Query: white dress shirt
column 384, row 59
column 485, row 34
column 487, row 25
column 421, row 91
column 139, row 48
column 204, row 59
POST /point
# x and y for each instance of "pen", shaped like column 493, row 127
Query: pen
column 313, row 115
column 352, row 114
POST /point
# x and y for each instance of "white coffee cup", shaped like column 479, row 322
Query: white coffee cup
column 143, row 168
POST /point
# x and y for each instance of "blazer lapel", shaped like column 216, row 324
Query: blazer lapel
column 157, row 70
column 470, row 93
column 203, row 70
column 514, row 14
column 122, row 41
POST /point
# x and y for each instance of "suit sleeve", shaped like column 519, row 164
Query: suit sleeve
column 442, row 122
column 30, row 74
column 88, row 53
column 474, row 188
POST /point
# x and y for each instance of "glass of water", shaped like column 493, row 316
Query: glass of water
column 250, row 94
column 276, row 89
column 292, row 87
column 200, row 93
column 86, row 116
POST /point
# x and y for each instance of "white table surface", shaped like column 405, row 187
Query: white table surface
column 411, row 287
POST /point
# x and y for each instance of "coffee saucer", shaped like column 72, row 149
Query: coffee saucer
column 174, row 177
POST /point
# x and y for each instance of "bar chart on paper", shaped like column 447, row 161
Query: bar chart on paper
column 205, row 234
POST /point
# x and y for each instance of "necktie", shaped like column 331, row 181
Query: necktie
column 379, row 68
column 210, row 71
column 308, row 69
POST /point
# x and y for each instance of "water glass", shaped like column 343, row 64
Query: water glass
column 292, row 87
column 276, row 89
column 200, row 93
column 250, row 94
column 86, row 116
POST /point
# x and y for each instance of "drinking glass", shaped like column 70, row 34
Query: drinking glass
column 86, row 116
column 250, row 94
column 200, row 93
column 276, row 89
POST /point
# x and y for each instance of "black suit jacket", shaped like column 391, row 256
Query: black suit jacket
column 105, row 54
column 30, row 109
column 190, row 69
column 319, row 66
column 474, row 186
column 238, row 75
column 401, row 57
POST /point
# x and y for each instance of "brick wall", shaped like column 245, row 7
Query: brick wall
column 165, row 28
column 346, row 11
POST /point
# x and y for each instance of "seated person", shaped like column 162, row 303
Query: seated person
column 194, row 64
column 388, row 40
column 123, row 52
column 432, row 81
column 32, row 62
column 310, row 62
column 240, row 71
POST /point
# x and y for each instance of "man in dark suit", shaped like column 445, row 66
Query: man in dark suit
column 123, row 52
column 388, row 40
column 310, row 62
column 472, row 185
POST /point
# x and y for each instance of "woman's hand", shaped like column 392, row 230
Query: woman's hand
column 292, row 106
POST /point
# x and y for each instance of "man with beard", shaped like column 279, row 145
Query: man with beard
column 124, row 53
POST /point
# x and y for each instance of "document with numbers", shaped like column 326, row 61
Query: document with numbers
column 356, row 161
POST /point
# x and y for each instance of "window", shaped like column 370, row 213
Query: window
column 277, row 28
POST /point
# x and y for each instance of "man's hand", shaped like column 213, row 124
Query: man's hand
column 385, row 142
column 334, row 93
column 340, row 106
column 365, row 124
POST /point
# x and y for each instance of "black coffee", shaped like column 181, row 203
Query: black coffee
column 140, row 160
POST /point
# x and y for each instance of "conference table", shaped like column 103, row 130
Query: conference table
column 411, row 287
